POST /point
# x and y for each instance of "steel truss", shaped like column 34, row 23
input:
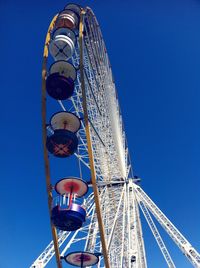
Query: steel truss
column 126, row 229
column 119, row 195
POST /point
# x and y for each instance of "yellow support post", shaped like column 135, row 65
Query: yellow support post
column 44, row 134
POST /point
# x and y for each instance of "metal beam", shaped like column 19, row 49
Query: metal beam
column 187, row 249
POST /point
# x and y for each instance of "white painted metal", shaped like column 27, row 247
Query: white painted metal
column 136, row 249
column 134, row 243
column 173, row 232
column 157, row 235
column 142, row 262
column 116, row 217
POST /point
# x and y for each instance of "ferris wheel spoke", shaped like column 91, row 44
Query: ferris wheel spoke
column 61, row 105
column 139, row 236
column 115, row 218
column 92, row 234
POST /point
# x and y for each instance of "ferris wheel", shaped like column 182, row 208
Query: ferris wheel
column 95, row 215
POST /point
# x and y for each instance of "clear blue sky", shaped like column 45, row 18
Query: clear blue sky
column 154, row 49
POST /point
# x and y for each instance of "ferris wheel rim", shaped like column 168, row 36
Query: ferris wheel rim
column 86, row 122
